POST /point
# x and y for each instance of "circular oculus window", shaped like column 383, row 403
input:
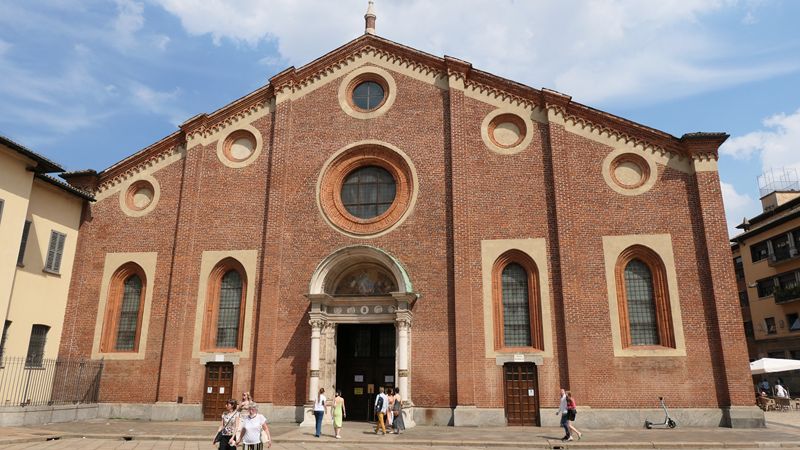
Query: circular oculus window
column 507, row 130
column 367, row 92
column 140, row 195
column 366, row 190
column 239, row 146
column 629, row 171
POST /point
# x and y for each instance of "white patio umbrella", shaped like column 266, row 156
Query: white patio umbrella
column 771, row 365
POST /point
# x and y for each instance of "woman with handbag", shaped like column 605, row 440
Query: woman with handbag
column 398, row 425
column 226, row 434
column 255, row 432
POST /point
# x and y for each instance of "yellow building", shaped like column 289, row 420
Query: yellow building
column 766, row 257
column 39, row 220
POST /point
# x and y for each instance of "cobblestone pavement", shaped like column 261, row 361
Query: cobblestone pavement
column 104, row 444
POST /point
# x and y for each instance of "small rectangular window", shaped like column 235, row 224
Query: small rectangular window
column 35, row 356
column 3, row 341
column 54, row 251
column 23, row 243
column 765, row 287
column 743, row 299
column 748, row 329
column 769, row 324
column 738, row 267
column 793, row 321
column 759, row 251
column 780, row 247
column 2, row 203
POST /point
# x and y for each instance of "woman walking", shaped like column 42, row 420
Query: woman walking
column 572, row 411
column 389, row 407
column 246, row 400
column 227, row 430
column 398, row 425
column 339, row 412
column 319, row 410
column 255, row 432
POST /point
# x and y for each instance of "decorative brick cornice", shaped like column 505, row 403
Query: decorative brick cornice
column 139, row 162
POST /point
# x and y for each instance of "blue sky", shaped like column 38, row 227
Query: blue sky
column 88, row 83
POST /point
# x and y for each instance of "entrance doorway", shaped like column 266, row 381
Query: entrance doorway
column 218, row 389
column 364, row 362
column 521, row 386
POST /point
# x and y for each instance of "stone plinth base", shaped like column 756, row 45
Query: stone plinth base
column 597, row 418
column 161, row 411
column 18, row 416
column 471, row 416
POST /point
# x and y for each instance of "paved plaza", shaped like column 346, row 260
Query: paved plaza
column 783, row 431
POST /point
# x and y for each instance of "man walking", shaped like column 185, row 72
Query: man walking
column 381, row 404
column 562, row 409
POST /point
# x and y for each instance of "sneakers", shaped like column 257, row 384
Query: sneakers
column 339, row 437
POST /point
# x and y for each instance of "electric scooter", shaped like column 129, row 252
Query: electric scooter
column 668, row 421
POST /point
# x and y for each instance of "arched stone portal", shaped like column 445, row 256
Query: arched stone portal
column 359, row 285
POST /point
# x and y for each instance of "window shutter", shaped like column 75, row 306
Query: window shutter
column 36, row 346
column 59, row 251
column 54, row 251
column 25, row 230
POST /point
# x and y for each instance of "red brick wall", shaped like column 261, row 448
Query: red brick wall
column 554, row 190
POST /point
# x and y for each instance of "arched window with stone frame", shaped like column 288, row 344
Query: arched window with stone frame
column 123, row 318
column 517, row 303
column 223, row 323
column 643, row 299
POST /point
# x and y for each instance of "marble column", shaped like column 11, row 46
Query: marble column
column 403, row 325
column 313, row 379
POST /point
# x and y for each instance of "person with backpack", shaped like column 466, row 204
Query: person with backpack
column 381, row 405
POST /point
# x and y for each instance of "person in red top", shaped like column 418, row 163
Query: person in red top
column 572, row 411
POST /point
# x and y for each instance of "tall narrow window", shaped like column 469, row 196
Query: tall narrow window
column 35, row 356
column 230, row 304
column 517, row 308
column 2, row 204
column 124, row 310
column 129, row 313
column 224, row 313
column 516, row 311
column 643, row 299
column 54, row 251
column 23, row 243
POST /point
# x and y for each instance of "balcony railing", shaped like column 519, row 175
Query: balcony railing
column 786, row 295
column 782, row 255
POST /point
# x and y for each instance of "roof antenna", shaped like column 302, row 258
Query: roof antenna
column 370, row 17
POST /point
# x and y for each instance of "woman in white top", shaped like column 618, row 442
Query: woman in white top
column 319, row 410
column 252, row 424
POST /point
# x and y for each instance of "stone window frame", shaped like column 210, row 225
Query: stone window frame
column 108, row 343
column 661, row 298
column 352, row 157
column 660, row 245
column 224, row 145
column 534, row 301
column 211, row 313
column 113, row 261
column 127, row 192
column 645, row 161
column 358, row 76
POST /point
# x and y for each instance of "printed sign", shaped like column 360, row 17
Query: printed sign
column 530, row 393
column 358, row 391
column 519, row 357
column 221, row 389
column 358, row 378
column 388, row 379
column 370, row 389
column 209, row 390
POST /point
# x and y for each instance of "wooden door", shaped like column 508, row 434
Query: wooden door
column 365, row 362
column 217, row 390
column 521, row 388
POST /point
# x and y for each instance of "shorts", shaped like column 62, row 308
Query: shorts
column 571, row 413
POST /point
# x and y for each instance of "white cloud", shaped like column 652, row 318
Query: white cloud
column 737, row 206
column 159, row 102
column 777, row 145
column 129, row 20
column 626, row 50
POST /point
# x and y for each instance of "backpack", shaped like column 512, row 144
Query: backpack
column 379, row 405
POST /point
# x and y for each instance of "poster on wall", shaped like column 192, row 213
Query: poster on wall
column 358, row 378
column 388, row 379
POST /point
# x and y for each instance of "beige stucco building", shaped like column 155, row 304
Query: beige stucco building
column 766, row 256
column 39, row 221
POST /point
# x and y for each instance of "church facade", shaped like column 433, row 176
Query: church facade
column 382, row 217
